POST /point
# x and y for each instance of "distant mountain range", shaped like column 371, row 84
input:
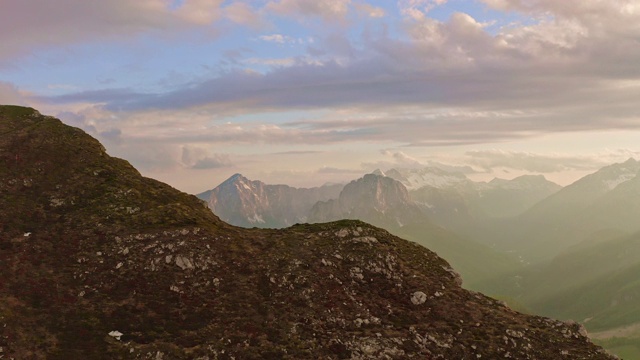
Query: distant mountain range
column 608, row 199
column 529, row 216
column 439, row 205
column 446, row 198
column 247, row 203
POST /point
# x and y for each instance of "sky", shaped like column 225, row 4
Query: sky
column 308, row 92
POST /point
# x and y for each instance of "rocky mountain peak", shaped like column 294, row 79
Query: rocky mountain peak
column 237, row 177
column 613, row 175
column 386, row 191
column 250, row 203
column 525, row 182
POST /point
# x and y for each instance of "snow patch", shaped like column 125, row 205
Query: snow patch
column 256, row 219
column 612, row 183
column 414, row 179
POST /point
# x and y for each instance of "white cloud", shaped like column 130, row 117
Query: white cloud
column 418, row 9
column 201, row 158
column 277, row 38
column 533, row 162
column 393, row 159
column 271, row 62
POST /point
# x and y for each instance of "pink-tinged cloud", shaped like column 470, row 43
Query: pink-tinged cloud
column 29, row 25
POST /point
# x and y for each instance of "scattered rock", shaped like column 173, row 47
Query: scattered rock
column 116, row 334
column 418, row 298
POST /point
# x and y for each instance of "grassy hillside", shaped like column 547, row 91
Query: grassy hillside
column 475, row 262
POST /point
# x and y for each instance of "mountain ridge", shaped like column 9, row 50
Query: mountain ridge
column 599, row 201
column 250, row 203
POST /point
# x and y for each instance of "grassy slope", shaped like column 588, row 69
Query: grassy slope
column 475, row 262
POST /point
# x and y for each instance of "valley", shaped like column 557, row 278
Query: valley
column 568, row 252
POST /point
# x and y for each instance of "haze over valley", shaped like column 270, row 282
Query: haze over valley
column 567, row 252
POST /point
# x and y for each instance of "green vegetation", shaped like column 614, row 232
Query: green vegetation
column 595, row 282
column 15, row 112
column 476, row 263
column 625, row 348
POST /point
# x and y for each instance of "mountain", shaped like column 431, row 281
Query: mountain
column 582, row 193
column 601, row 273
column 373, row 198
column 441, row 190
column 246, row 203
column 501, row 198
column 605, row 200
column 469, row 208
column 99, row 262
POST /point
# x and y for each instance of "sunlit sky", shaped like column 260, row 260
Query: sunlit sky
column 305, row 92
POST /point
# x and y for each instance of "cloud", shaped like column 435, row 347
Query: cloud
column 272, row 62
column 11, row 95
column 401, row 158
column 283, row 39
column 199, row 158
column 277, row 38
column 30, row 25
column 214, row 162
column 112, row 135
column 464, row 169
column 327, row 10
column 532, row 162
column 244, row 14
column 333, row 170
column 418, row 9
column 369, row 10
column 199, row 12
column 393, row 159
column 298, row 152
column 104, row 96
column 452, row 82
